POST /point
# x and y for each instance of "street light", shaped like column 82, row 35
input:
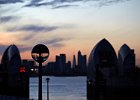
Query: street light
column 47, row 79
column 40, row 53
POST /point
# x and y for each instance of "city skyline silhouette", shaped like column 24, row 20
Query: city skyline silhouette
column 68, row 25
column 108, row 75
column 95, row 41
column 61, row 66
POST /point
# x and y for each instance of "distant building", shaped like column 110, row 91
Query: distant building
column 60, row 64
column 68, row 68
column 62, row 59
column 63, row 68
column 82, row 63
column 74, row 62
column 14, row 82
column 50, row 68
column 59, row 67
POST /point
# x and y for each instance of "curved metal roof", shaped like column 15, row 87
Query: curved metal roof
column 9, row 53
column 124, row 51
column 102, row 45
column 94, row 60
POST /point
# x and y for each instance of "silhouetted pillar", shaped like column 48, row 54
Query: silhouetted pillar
column 40, row 82
column 47, row 88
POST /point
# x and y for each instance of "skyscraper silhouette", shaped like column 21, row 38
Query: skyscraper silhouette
column 82, row 62
column 74, row 62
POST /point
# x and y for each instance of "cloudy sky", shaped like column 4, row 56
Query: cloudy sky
column 67, row 26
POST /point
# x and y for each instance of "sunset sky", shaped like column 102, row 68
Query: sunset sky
column 67, row 26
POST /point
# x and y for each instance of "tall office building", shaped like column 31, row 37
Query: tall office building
column 82, row 61
column 74, row 62
column 79, row 58
column 60, row 64
column 63, row 58
column 58, row 67
column 63, row 62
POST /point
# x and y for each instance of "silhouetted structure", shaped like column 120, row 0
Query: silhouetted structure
column 126, row 60
column 14, row 79
column 110, row 78
column 62, row 68
column 40, row 54
column 101, row 69
column 74, row 62
column 30, row 66
column 82, row 62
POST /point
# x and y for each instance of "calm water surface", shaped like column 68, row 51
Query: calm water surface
column 60, row 88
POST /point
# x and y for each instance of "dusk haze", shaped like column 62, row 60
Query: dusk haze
column 69, row 49
column 67, row 26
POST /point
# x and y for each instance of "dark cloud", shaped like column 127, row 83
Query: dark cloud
column 24, row 48
column 31, row 31
column 64, row 6
column 33, row 28
column 35, row 3
column 101, row 3
column 5, row 19
column 27, row 37
column 56, row 42
column 55, row 4
column 58, row 45
column 9, row 1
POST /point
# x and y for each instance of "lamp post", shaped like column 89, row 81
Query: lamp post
column 47, row 79
column 40, row 53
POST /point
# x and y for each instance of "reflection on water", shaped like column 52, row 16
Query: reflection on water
column 60, row 88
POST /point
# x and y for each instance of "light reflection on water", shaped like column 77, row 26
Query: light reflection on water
column 60, row 88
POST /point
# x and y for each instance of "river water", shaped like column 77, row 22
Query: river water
column 60, row 88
